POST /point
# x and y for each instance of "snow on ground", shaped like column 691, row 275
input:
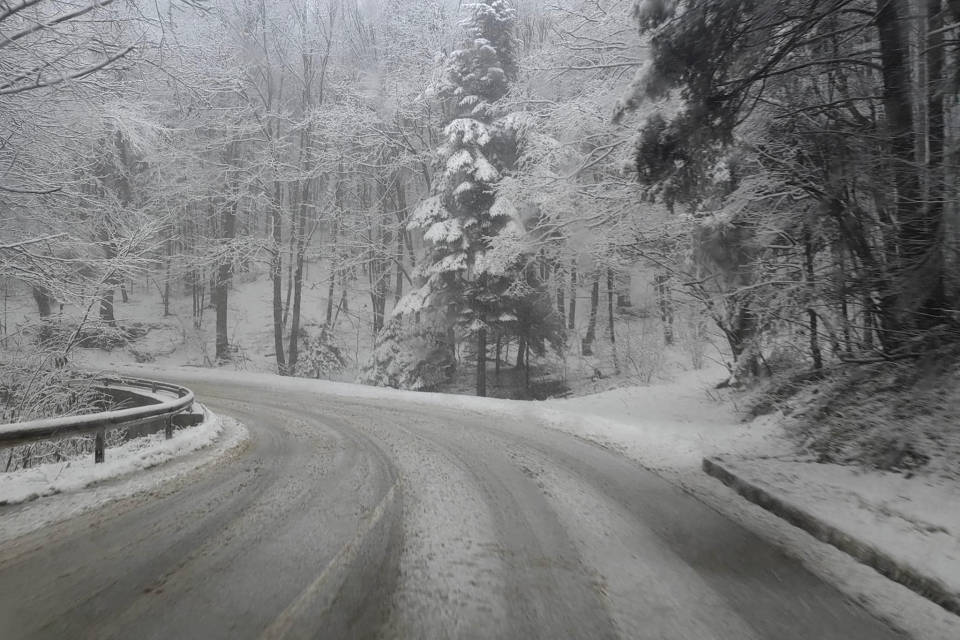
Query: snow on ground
column 665, row 426
column 140, row 453
column 137, row 467
column 669, row 428
column 914, row 520
column 174, row 341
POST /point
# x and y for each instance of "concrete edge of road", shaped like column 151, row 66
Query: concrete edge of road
column 887, row 566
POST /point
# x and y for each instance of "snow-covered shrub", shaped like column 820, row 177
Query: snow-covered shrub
column 64, row 450
column 141, row 355
column 694, row 334
column 319, row 354
column 36, row 389
column 783, row 355
column 640, row 349
column 150, row 341
column 417, row 357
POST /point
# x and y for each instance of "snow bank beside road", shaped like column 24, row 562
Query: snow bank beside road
column 140, row 453
column 915, row 522
column 665, row 427
column 19, row 521
column 671, row 428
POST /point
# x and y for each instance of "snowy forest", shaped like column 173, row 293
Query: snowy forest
column 514, row 198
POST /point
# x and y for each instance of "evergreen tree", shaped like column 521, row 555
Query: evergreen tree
column 463, row 218
column 476, row 278
column 413, row 357
column 319, row 354
column 747, row 100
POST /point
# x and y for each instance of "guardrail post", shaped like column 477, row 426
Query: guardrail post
column 99, row 443
column 168, row 428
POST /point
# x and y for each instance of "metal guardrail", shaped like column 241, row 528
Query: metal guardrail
column 19, row 433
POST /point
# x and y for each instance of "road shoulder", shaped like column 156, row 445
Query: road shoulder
column 669, row 429
column 142, row 469
column 901, row 529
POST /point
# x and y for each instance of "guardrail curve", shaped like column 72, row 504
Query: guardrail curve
column 163, row 413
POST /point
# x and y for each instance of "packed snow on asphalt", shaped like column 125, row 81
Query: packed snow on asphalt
column 346, row 511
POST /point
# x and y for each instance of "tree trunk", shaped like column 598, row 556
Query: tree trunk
column 276, row 275
column 201, row 298
column 812, row 286
column 3, row 317
column 452, row 347
column 920, row 273
column 526, row 370
column 106, row 307
column 298, row 279
column 815, row 341
column 740, row 337
column 43, row 299
column 610, row 293
column 496, row 365
column 106, row 301
column 378, row 299
column 611, row 328
column 560, row 277
column 842, row 294
column 119, row 182
column 587, row 345
column 378, row 271
column 665, row 303
column 624, row 282
column 343, row 305
column 293, row 252
column 572, row 316
column 330, row 291
column 295, row 317
column 224, row 279
column 303, row 200
column 166, row 285
column 936, row 88
column 398, row 288
column 334, row 259
column 126, row 298
column 482, row 362
column 403, row 236
column 411, row 254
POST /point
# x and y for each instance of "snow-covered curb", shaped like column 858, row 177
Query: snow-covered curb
column 140, row 453
column 894, row 562
column 903, row 609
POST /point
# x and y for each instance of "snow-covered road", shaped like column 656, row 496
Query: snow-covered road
column 374, row 517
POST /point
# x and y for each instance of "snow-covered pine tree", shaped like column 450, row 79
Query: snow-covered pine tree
column 320, row 355
column 409, row 356
column 462, row 218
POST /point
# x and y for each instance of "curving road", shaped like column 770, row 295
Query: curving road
column 374, row 519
